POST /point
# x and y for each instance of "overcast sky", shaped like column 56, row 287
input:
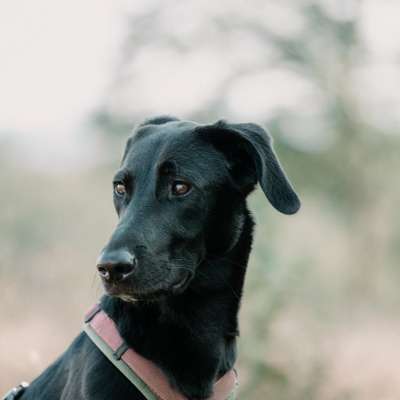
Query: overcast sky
column 57, row 59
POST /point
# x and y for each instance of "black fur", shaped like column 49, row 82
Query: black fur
column 202, row 239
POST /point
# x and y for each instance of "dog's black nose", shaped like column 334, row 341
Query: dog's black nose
column 116, row 265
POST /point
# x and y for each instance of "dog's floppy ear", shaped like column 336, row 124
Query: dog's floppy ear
column 251, row 158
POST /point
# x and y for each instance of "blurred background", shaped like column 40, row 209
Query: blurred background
column 320, row 315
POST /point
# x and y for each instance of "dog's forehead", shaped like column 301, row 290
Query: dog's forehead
column 164, row 137
column 176, row 141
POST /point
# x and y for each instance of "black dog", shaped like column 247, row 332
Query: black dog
column 174, row 268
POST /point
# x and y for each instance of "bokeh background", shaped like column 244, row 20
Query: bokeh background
column 320, row 316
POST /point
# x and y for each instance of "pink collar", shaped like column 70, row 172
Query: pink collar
column 139, row 370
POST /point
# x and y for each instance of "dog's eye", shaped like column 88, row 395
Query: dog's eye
column 180, row 188
column 120, row 189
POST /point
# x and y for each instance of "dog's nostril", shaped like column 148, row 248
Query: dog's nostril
column 116, row 265
column 104, row 273
column 124, row 269
column 115, row 272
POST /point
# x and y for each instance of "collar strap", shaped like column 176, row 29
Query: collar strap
column 143, row 373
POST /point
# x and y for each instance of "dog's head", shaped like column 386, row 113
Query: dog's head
column 180, row 196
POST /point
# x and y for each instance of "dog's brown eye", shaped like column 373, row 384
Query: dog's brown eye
column 120, row 189
column 180, row 188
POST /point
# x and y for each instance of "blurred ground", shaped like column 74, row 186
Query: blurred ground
column 319, row 319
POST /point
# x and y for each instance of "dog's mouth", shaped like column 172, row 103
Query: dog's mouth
column 132, row 294
column 182, row 284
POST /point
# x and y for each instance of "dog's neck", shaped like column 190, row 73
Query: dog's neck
column 206, row 313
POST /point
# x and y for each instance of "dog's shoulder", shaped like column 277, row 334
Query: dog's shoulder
column 81, row 372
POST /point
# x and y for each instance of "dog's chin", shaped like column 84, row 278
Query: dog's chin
column 149, row 294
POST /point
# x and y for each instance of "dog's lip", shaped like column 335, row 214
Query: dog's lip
column 181, row 285
column 130, row 295
column 127, row 298
column 134, row 296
